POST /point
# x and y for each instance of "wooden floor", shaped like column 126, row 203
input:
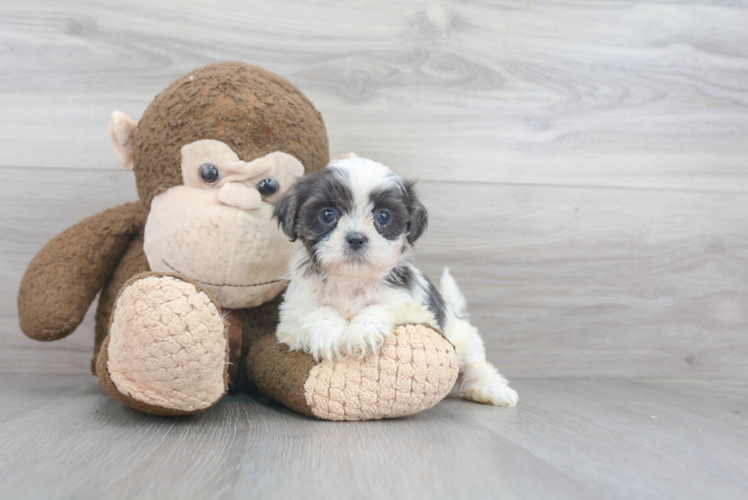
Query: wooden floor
column 63, row 437
column 585, row 164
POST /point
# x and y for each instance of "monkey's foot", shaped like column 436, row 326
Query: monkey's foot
column 167, row 349
column 415, row 370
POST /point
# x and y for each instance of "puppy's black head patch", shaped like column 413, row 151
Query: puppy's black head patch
column 311, row 209
column 390, row 211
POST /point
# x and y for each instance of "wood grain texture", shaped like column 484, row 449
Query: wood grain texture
column 584, row 162
column 641, row 94
column 63, row 437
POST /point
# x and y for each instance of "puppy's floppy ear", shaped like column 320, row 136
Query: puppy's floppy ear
column 419, row 217
column 286, row 211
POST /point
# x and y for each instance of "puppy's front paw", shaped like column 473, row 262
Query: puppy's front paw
column 366, row 335
column 485, row 385
column 319, row 334
column 324, row 341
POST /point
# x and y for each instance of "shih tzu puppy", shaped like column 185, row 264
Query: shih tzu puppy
column 351, row 283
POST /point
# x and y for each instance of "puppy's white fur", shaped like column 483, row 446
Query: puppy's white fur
column 344, row 303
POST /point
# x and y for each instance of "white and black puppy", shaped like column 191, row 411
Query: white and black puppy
column 351, row 283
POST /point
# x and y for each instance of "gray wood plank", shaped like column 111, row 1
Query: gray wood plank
column 561, row 281
column 613, row 282
column 36, row 206
column 646, row 94
column 585, row 167
column 567, row 439
column 659, row 439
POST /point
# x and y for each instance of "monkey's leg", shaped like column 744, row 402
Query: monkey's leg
column 167, row 348
column 414, row 371
column 133, row 262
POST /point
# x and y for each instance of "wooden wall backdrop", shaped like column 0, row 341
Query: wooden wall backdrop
column 585, row 162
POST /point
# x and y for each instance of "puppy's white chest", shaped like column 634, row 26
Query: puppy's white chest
column 350, row 299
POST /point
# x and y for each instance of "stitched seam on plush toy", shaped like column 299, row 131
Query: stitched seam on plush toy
column 225, row 284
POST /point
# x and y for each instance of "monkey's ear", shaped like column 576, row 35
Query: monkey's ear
column 122, row 130
column 419, row 217
column 286, row 211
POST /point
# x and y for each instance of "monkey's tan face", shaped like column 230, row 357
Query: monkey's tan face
column 218, row 229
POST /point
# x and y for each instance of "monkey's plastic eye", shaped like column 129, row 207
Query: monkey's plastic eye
column 383, row 217
column 267, row 187
column 209, row 174
column 328, row 216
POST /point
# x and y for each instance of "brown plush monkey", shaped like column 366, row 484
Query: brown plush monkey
column 191, row 274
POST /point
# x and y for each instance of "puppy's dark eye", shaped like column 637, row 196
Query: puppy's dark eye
column 383, row 217
column 267, row 187
column 209, row 174
column 328, row 216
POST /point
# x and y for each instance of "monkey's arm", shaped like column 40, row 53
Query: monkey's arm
column 67, row 273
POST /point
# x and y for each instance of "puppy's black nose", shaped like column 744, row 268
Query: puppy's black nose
column 356, row 240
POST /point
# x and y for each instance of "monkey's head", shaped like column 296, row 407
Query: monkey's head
column 211, row 155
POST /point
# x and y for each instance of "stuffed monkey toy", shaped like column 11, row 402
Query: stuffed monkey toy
column 191, row 275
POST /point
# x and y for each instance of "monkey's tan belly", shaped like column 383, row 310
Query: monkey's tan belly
column 239, row 255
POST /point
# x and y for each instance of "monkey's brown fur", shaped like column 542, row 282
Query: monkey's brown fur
column 253, row 111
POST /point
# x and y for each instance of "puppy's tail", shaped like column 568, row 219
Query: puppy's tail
column 453, row 295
